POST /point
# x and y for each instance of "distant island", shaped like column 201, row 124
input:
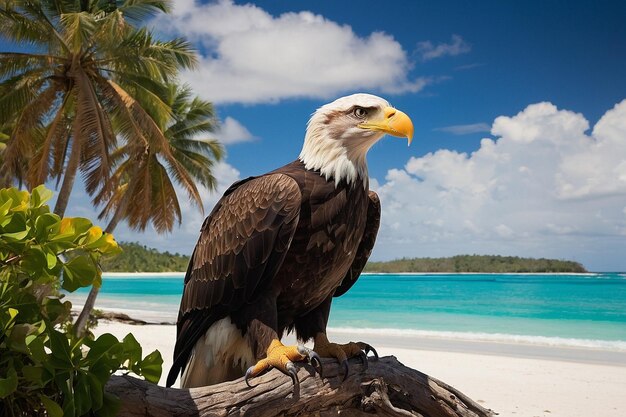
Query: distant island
column 139, row 258
column 476, row 263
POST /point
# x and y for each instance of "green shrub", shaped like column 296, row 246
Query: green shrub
column 44, row 368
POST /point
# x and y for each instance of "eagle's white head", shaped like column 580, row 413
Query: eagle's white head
column 340, row 133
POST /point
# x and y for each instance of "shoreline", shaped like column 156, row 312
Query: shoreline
column 573, row 354
column 182, row 274
column 142, row 274
column 152, row 317
column 522, row 346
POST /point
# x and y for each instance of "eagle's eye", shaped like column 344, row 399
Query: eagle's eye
column 360, row 112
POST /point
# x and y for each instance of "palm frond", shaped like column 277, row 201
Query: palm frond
column 94, row 133
column 141, row 119
column 178, row 52
column 112, row 27
column 63, row 135
column 78, row 30
column 149, row 93
column 198, row 166
column 140, row 10
column 26, row 22
column 18, row 27
column 110, row 197
column 18, row 91
column 13, row 63
column 158, row 190
column 182, row 177
column 56, row 134
column 27, row 134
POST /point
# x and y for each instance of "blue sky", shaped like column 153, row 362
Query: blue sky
column 518, row 107
column 570, row 53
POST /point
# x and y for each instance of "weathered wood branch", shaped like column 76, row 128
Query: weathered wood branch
column 385, row 388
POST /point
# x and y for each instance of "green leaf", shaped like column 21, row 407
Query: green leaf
column 36, row 333
column 8, row 385
column 151, row 367
column 39, row 196
column 51, row 258
column 52, row 408
column 7, row 320
column 132, row 350
column 34, row 259
column 4, row 209
column 82, row 394
column 96, row 389
column 72, row 227
column 69, row 408
column 60, row 347
column 100, row 346
column 37, row 350
column 15, row 227
column 46, row 224
column 33, row 374
column 79, row 272
column 19, row 334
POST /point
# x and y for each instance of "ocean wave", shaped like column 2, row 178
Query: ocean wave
column 616, row 345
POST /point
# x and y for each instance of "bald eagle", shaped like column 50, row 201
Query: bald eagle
column 278, row 247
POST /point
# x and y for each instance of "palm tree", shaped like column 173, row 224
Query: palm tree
column 142, row 187
column 143, row 169
column 87, row 66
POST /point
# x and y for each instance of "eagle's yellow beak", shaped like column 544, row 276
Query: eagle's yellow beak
column 394, row 122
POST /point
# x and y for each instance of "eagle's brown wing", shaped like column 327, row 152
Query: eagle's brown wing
column 242, row 245
column 365, row 247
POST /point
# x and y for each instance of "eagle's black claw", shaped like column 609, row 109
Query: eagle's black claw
column 314, row 357
column 248, row 373
column 293, row 373
column 368, row 348
column 363, row 357
column 345, row 367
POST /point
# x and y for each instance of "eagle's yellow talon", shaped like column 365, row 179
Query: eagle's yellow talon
column 343, row 352
column 282, row 357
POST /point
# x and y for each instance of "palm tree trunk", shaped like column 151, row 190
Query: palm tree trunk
column 90, row 302
column 68, row 180
column 117, row 217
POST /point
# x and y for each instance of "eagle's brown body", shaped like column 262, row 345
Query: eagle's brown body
column 271, row 256
column 277, row 248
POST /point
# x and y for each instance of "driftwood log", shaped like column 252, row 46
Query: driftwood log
column 385, row 387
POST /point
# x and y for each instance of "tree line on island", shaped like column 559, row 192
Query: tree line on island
column 140, row 258
column 477, row 263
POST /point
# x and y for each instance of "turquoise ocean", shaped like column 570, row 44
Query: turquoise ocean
column 568, row 310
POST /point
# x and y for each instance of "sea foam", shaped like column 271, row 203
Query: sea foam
column 616, row 345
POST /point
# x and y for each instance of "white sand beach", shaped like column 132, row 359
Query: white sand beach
column 517, row 380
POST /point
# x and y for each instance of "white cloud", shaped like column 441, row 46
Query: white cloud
column 251, row 56
column 231, row 131
column 544, row 186
column 465, row 129
column 429, row 51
